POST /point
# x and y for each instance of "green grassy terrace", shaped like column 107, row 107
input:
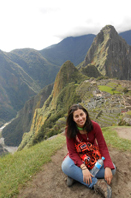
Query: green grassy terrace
column 17, row 169
column 108, row 89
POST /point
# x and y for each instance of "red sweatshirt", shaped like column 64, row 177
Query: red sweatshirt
column 92, row 137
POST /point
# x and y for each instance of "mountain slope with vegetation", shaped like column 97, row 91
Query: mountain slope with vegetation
column 48, row 120
column 35, row 65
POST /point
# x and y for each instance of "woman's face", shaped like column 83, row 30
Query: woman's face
column 79, row 117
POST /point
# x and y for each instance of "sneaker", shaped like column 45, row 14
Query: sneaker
column 103, row 188
column 70, row 181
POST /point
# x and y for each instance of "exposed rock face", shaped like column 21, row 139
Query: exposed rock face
column 110, row 54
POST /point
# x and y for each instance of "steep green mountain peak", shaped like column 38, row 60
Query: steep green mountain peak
column 110, row 54
column 68, row 73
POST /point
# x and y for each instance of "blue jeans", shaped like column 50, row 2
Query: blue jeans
column 75, row 172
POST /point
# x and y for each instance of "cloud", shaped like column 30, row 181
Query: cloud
column 41, row 23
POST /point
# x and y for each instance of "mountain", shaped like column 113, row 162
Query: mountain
column 46, row 121
column 68, row 73
column 110, row 54
column 74, row 48
column 24, row 72
column 70, row 48
column 13, row 132
column 34, row 64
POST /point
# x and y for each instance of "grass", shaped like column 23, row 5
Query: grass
column 112, row 138
column 17, row 169
column 108, row 89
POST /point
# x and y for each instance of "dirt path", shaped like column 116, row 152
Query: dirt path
column 124, row 132
column 50, row 182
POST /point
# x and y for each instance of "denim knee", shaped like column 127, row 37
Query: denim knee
column 66, row 164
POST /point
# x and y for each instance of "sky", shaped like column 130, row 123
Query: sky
column 38, row 24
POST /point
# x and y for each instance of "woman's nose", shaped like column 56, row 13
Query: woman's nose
column 80, row 118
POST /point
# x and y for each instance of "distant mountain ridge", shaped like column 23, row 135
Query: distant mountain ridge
column 127, row 36
column 70, row 48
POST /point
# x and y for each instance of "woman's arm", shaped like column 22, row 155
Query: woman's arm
column 102, row 146
column 108, row 165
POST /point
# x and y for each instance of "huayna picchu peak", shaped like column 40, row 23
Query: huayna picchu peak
column 110, row 54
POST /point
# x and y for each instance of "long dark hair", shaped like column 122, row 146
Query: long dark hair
column 72, row 129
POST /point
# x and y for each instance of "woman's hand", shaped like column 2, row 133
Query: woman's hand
column 108, row 175
column 87, row 176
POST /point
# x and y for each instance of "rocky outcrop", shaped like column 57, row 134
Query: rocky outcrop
column 110, row 54
column 90, row 71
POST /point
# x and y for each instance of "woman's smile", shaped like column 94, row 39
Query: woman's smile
column 79, row 117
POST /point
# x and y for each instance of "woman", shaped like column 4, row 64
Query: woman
column 80, row 125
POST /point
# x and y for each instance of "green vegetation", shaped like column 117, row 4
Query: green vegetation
column 51, row 123
column 17, row 169
column 112, row 138
column 108, row 89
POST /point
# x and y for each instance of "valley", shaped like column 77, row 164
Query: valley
column 3, row 148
